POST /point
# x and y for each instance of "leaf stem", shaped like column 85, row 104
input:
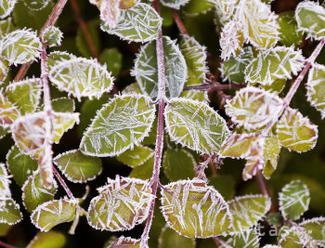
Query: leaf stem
column 260, row 180
column 84, row 28
column 160, row 131
column 51, row 20
column 5, row 245
column 62, row 183
column 179, row 23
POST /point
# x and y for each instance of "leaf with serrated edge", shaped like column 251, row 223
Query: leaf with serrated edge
column 253, row 108
column 56, row 57
column 294, row 200
column 139, row 23
column 77, row 167
column 126, row 242
column 146, row 69
column 53, row 36
column 4, row 182
column 315, row 228
column 6, row 7
column 121, row 204
column 231, row 40
column 295, row 132
column 246, row 239
column 9, row 212
column 63, row 105
column 118, row 126
column 196, row 95
column 274, row 64
column 52, row 213
column 20, row 47
column 195, row 210
column 175, row 4
column 316, row 88
column 195, row 125
column 136, row 157
column 271, row 152
column 295, row 237
column 92, row 79
column 8, row 111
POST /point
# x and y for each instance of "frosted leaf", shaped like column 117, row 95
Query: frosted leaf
column 231, row 40
column 315, row 228
column 136, row 157
column 294, row 200
column 233, row 69
column 6, row 7
column 195, row 210
column 36, row 193
column 4, row 69
column 146, row 69
column 178, row 164
column 271, row 152
column 253, row 108
column 295, row 132
column 195, row 125
column 52, row 213
column 36, row 5
column 110, row 12
column 310, row 18
column 4, row 183
column 132, row 89
column 77, row 167
column 316, row 88
column 196, row 7
column 225, row 9
column 246, row 239
column 120, row 125
column 20, row 166
column 139, row 23
column 170, row 238
column 3, row 132
column 52, row 36
column 62, row 122
column 56, row 57
column 260, row 25
column 273, row 64
column 6, row 26
column 196, row 95
column 81, row 77
column 248, row 210
column 9, row 212
column 20, row 47
column 25, row 94
column 175, row 4
column 295, row 237
column 124, row 242
column 196, row 60
column 121, row 204
column 48, row 239
column 8, row 111
column 143, row 171
column 63, row 105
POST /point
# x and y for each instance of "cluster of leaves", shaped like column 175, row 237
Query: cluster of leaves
column 260, row 54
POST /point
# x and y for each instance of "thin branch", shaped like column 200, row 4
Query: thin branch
column 62, row 183
column 160, row 130
column 260, row 180
column 5, row 245
column 84, row 28
column 179, row 23
column 51, row 20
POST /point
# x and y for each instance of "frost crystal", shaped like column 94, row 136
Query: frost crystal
column 6, row 7
column 231, row 40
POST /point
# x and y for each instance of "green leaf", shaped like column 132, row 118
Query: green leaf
column 93, row 79
column 271, row 153
column 77, row 167
column 62, row 122
column 296, row 132
column 63, row 105
column 315, row 228
column 9, row 212
column 4, row 69
column 247, row 211
column 178, row 164
column 289, row 34
column 53, row 36
column 126, row 242
column 113, row 60
column 247, row 239
column 195, row 210
column 20, row 166
column 310, row 19
column 139, row 23
column 195, row 7
column 316, row 88
column 36, row 4
column 224, row 184
column 277, row 63
column 6, row 26
column 25, row 94
column 3, row 132
column 20, row 47
column 195, row 56
column 52, row 213
column 196, row 95
column 136, row 157
column 50, row 239
column 6, row 7
column 195, row 125
column 169, row 238
column 93, row 29
column 175, row 4
column 36, row 193
column 4, row 182
column 252, row 107
column 294, row 200
column 56, row 57
column 146, row 69
column 143, row 171
column 121, row 204
column 8, row 111
column 120, row 125
column 294, row 237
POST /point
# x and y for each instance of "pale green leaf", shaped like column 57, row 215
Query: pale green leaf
column 247, row 239
column 36, row 5
column 6, row 26
column 52, row 36
column 62, row 122
column 4, row 69
column 271, row 152
column 169, row 238
column 143, row 171
column 8, row 111
column 50, row 239
column 4, row 182
column 63, row 104
column 6, row 7
column 195, row 7
column 125, row 242
column 315, row 228
column 294, row 237
column 289, row 34
column 9, row 212
column 136, row 157
column 196, row 95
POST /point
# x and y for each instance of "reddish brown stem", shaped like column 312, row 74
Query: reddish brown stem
column 179, row 23
column 62, row 183
column 84, row 28
column 260, row 180
column 5, row 245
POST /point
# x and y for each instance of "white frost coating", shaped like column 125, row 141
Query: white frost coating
column 139, row 23
column 146, row 70
column 6, row 7
column 123, row 242
column 316, row 88
column 20, row 46
column 231, row 39
column 253, row 107
column 175, row 203
column 225, row 9
column 4, row 69
column 11, row 211
column 4, row 183
column 293, row 195
column 36, row 5
column 175, row 4
column 81, row 77
column 275, row 63
column 195, row 125
column 121, row 204
column 313, row 30
column 8, row 111
column 299, row 234
column 62, row 122
column 110, row 12
column 53, row 36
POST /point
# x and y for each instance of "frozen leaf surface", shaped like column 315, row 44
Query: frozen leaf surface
column 175, row 4
column 136, row 157
column 6, row 7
